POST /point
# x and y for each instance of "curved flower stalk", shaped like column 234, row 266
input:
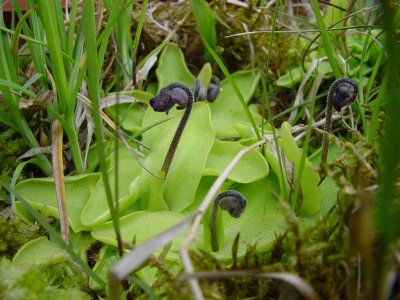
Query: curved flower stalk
column 231, row 201
column 341, row 93
column 174, row 93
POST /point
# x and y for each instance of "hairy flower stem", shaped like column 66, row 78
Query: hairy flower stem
column 178, row 133
column 174, row 93
column 231, row 201
column 341, row 93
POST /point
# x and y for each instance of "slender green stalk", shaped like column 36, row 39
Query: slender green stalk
column 205, row 22
column 36, row 50
column 360, row 80
column 46, row 10
column 48, row 17
column 22, row 36
column 139, row 28
column 377, row 107
column 387, row 207
column 123, row 37
column 94, row 93
column 326, row 41
column 137, row 38
column 71, row 28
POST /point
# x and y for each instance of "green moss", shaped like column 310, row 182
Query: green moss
column 14, row 233
column 35, row 282
column 10, row 147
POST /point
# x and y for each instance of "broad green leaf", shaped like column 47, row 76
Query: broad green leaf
column 290, row 78
column 272, row 158
column 251, row 167
column 188, row 163
column 96, row 210
column 138, row 226
column 39, row 251
column 205, row 75
column 260, row 223
column 172, row 67
column 329, row 188
column 329, row 192
column 227, row 110
column 309, row 181
column 246, row 81
column 41, row 195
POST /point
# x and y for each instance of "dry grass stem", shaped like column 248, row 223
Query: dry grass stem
column 58, row 173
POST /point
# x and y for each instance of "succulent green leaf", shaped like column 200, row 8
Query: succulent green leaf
column 290, row 78
column 138, row 226
column 272, row 158
column 172, row 67
column 205, row 75
column 309, row 180
column 41, row 195
column 251, row 167
column 187, row 166
column 329, row 188
column 226, row 110
column 39, row 251
column 96, row 210
column 259, row 224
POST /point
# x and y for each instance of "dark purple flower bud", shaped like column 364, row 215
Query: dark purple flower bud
column 213, row 89
column 174, row 93
column 161, row 102
column 345, row 93
column 231, row 201
column 168, row 97
column 199, row 91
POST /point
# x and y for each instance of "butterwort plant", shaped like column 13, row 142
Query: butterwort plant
column 174, row 93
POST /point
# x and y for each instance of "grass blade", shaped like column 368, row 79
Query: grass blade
column 93, row 85
column 326, row 41
column 53, row 31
